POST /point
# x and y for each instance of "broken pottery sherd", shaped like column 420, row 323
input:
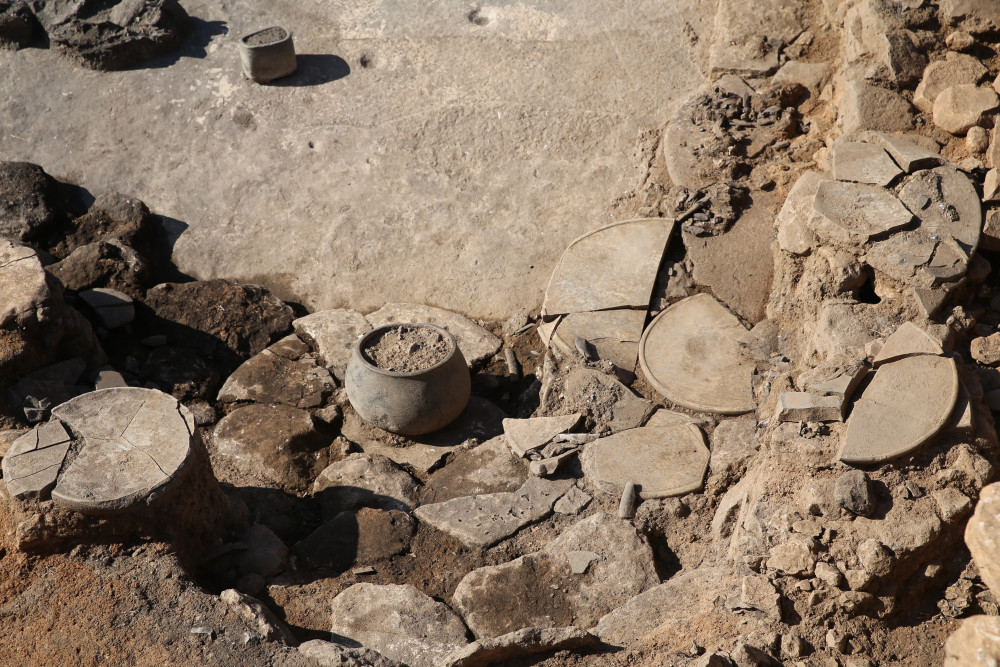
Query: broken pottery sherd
column 691, row 354
column 905, row 405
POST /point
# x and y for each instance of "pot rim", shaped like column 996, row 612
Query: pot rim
column 404, row 374
column 244, row 38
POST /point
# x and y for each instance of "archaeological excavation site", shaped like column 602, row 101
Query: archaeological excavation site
column 366, row 333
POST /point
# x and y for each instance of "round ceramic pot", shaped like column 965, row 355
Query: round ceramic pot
column 268, row 54
column 410, row 403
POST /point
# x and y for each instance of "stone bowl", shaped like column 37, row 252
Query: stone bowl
column 268, row 54
column 408, row 403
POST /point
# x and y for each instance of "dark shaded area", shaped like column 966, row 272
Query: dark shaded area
column 315, row 69
column 194, row 45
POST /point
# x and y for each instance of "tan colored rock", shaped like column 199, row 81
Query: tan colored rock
column 810, row 75
column 803, row 406
column 691, row 354
column 986, row 349
column 993, row 152
column 854, row 213
column 982, row 536
column 906, row 341
column 976, row 643
column 941, row 74
column 990, row 238
column 757, row 592
column 520, row 644
column 911, row 152
column 868, row 107
column 842, row 383
column 662, row 461
column 977, row 139
column 730, row 59
column 333, row 334
column 991, row 187
column 527, row 435
column 861, row 162
column 795, row 557
column 477, row 344
column 906, row 403
column 963, row 106
column 959, row 40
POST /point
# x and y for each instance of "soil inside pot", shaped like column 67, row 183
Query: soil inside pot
column 407, row 348
column 268, row 36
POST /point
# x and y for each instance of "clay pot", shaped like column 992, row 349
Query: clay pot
column 272, row 58
column 410, row 403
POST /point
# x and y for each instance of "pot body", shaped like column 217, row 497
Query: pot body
column 267, row 62
column 408, row 403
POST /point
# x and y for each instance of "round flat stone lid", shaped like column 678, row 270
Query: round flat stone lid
column 690, row 353
column 906, row 404
column 131, row 442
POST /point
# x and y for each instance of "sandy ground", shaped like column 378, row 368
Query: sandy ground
column 432, row 152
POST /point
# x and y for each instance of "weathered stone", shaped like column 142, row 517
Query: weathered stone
column 734, row 443
column 991, row 230
column 947, row 204
column 854, row 213
column 875, row 557
column 868, row 107
column 528, row 435
column 31, row 465
column 976, row 643
column 829, row 574
column 399, row 622
column 262, row 619
column 364, row 537
column 275, row 378
column 853, row 493
column 610, row 267
column 963, row 106
column 843, row 381
column 333, row 333
column 364, row 480
column 548, row 466
column 804, row 406
column 951, row 503
column 977, row 139
column 690, row 354
column 730, row 59
column 982, row 534
column 956, row 69
column 519, row 645
column 113, row 308
column 115, row 218
column 906, row 341
column 481, row 521
column 986, row 349
column 810, row 75
column 476, row 343
column 572, row 502
column 794, row 236
column 48, row 387
column 863, row 163
column 276, row 445
column 796, row 557
column 662, row 461
column 757, row 592
column 612, row 405
column 489, row 468
column 29, row 202
column 133, row 443
column 908, row 153
column 974, row 15
column 499, row 599
column 614, row 334
column 329, row 654
column 108, row 378
column 959, row 40
column 906, row 403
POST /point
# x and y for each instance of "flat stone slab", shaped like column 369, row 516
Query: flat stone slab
column 793, row 234
column 906, row 341
column 481, row 521
column 856, row 212
column 861, row 162
column 803, row 406
column 129, row 443
column 503, row 598
column 527, row 435
column 954, row 208
column 691, row 354
column 23, row 286
column 115, row 309
column 521, row 644
column 333, row 334
column 907, row 153
column 364, row 480
column 399, row 622
column 614, row 333
column 905, row 405
column 662, row 461
column 271, row 377
column 489, row 468
column 610, row 267
column 476, row 343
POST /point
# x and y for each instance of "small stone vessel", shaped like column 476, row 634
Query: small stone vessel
column 268, row 54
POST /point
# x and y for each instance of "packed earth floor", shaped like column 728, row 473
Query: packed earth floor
column 750, row 421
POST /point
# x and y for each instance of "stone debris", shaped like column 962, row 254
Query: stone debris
column 332, row 333
column 869, row 107
column 549, row 466
column 955, row 69
column 981, row 536
column 31, row 465
column 851, row 213
column 113, row 308
column 365, row 536
column 907, row 341
column 280, row 374
column 853, row 493
column 572, row 502
column 519, row 645
column 476, row 343
column 963, row 106
column 910, row 151
column 795, row 557
column 399, row 622
column 793, row 235
column 329, row 654
column 488, row 468
column 691, row 354
column 907, row 402
column 757, row 592
column 613, row 406
column 365, row 480
column 262, row 619
column 527, row 435
column 803, row 406
column 498, row 599
column 841, row 384
column 613, row 334
column 661, row 461
column 482, row 521
column 861, row 162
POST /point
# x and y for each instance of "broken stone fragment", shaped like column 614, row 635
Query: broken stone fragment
column 489, row 468
column 942, row 74
column 852, row 213
column 853, row 493
column 549, row 466
column 691, row 354
column 986, row 349
column 399, row 622
column 481, row 521
column 976, row 643
column 613, row 406
column 795, row 558
column 907, row 402
column 731, row 59
column 528, row 435
column 863, row 163
column 951, row 503
column 31, row 465
column 519, row 645
column 114, row 309
column 906, row 341
column 572, row 502
column 841, row 384
column 273, row 377
column 262, row 619
column 333, row 334
column 757, row 592
column 803, row 406
column 868, row 107
column 610, row 335
column 963, row 106
column 907, row 153
column 793, row 235
column 981, row 536
column 364, row 480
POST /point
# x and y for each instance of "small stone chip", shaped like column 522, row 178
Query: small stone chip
column 579, row 561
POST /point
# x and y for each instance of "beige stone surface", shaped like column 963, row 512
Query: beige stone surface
column 861, row 162
column 982, row 536
column 905, row 405
column 976, row 643
column 962, row 106
column 955, row 208
column 23, row 287
column 941, row 74
column 869, row 107
column 333, row 333
column 803, row 406
column 476, row 343
column 793, row 234
column 611, row 267
column 526, row 435
column 855, row 212
column 909, row 152
column 690, row 353
column 661, row 461
column 906, row 341
column 614, row 333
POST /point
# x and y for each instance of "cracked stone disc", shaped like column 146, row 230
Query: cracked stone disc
column 905, row 405
column 690, row 353
column 132, row 442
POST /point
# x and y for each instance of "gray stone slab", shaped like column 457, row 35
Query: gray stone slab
column 803, row 406
column 32, row 463
column 852, row 213
column 333, row 334
column 481, row 521
column 365, row 480
column 134, row 442
column 861, row 162
column 907, row 152
column 905, row 405
column 942, row 74
column 23, row 286
column 691, row 354
column 614, row 333
column 527, row 435
column 272, row 378
column 793, row 234
column 954, row 208
column 906, row 341
column 115, row 309
column 572, row 502
column 476, row 343
column 611, row 267
column 900, row 255
column 489, row 468
column 399, row 622
column 662, row 461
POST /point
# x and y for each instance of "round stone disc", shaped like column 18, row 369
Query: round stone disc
column 690, row 353
column 132, row 442
column 906, row 403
